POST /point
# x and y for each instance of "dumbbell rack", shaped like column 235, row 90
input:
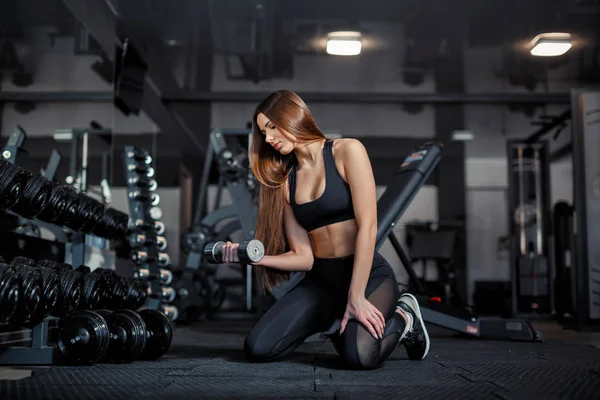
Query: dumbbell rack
column 39, row 353
column 145, row 230
column 14, row 153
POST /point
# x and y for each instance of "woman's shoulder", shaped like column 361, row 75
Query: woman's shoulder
column 347, row 147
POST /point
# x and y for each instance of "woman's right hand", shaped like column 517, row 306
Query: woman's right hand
column 230, row 253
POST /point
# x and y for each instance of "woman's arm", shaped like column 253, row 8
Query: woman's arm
column 359, row 175
column 300, row 257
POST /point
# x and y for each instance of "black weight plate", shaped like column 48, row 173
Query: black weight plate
column 71, row 288
column 76, row 291
column 120, row 291
column 57, row 267
column 36, row 193
column 23, row 261
column 160, row 334
column 12, row 183
column 83, row 337
column 130, row 330
column 116, row 292
column 93, row 292
column 10, row 288
column 128, row 335
column 31, row 301
column 51, row 290
column 84, row 269
column 137, row 293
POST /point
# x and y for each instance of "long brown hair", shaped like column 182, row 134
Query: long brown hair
column 288, row 112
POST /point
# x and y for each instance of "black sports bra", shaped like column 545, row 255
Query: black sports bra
column 334, row 205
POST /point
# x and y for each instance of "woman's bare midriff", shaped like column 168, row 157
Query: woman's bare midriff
column 335, row 240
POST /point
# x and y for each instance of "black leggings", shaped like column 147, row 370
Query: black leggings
column 320, row 299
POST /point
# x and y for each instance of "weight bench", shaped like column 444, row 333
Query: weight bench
column 414, row 172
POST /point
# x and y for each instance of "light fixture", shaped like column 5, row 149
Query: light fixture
column 463, row 136
column 344, row 43
column 550, row 44
column 63, row 135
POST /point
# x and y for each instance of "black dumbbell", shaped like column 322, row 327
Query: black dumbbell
column 96, row 290
column 70, row 287
column 159, row 334
column 144, row 335
column 113, row 224
column 36, row 192
column 137, row 293
column 122, row 336
column 83, row 337
column 50, row 282
column 117, row 286
column 31, row 306
column 12, row 184
column 248, row 251
column 10, row 292
column 127, row 335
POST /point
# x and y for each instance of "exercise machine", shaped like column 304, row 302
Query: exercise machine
column 585, row 107
column 531, row 251
column 199, row 292
column 436, row 242
column 413, row 173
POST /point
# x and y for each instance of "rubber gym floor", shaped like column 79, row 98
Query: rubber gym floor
column 206, row 361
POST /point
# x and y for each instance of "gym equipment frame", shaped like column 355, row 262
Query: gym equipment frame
column 241, row 214
column 585, row 105
column 529, row 216
column 413, row 174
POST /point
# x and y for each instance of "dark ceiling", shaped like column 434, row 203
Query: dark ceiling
column 484, row 22
column 263, row 35
column 253, row 31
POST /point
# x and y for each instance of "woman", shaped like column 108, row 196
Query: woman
column 318, row 213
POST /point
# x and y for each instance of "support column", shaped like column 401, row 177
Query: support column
column 449, row 78
column 198, row 78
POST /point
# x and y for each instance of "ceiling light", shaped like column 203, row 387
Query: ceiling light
column 463, row 136
column 63, row 135
column 344, row 43
column 550, row 44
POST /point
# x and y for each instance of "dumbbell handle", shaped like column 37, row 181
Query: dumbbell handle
column 248, row 251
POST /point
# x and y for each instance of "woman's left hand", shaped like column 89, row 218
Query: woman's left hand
column 367, row 314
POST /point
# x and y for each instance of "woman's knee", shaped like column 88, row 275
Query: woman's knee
column 256, row 350
column 358, row 354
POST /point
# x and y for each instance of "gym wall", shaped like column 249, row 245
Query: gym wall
column 485, row 163
column 58, row 69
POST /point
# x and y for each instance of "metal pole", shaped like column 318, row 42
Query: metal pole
column 84, row 162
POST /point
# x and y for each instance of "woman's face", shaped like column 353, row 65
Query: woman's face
column 273, row 135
